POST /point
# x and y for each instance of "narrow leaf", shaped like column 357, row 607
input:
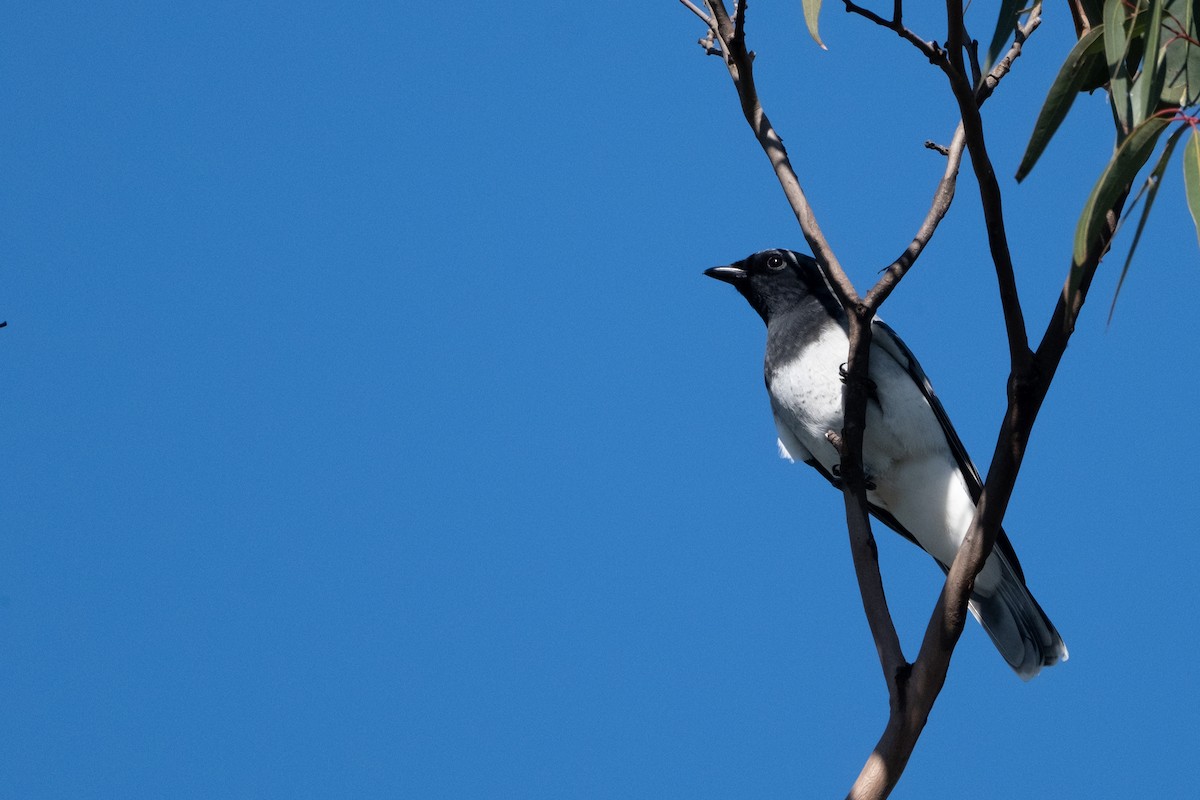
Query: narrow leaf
column 1150, row 187
column 812, row 10
column 1119, row 174
column 1005, row 25
column 1182, row 68
column 1191, row 177
column 1148, row 85
column 1087, row 53
column 1116, row 45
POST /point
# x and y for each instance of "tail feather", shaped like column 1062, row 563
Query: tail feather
column 1016, row 623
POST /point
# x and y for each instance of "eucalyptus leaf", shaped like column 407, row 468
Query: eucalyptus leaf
column 1191, row 177
column 1133, row 152
column 812, row 10
column 1150, row 187
column 1087, row 54
column 1181, row 78
column 1148, row 85
column 1116, row 47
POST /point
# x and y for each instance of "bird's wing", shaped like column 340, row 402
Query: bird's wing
column 881, row 514
column 892, row 344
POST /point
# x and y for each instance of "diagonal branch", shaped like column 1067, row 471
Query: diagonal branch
column 740, row 64
column 943, row 196
column 1026, row 398
column 695, row 10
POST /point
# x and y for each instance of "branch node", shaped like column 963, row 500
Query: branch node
column 941, row 148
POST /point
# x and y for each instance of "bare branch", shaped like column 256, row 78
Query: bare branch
column 945, row 191
column 896, row 24
column 853, row 8
column 1002, row 67
column 943, row 196
column 989, row 187
column 1027, row 392
column 956, row 35
column 741, row 68
column 863, row 550
column 910, row 712
column 739, row 24
column 976, row 70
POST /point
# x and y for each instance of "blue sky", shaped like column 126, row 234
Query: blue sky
column 371, row 430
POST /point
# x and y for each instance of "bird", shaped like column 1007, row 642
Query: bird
column 920, row 480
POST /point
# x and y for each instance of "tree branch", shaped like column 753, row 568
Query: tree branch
column 908, row 718
column 989, row 188
column 705, row 17
column 740, row 64
column 896, row 24
column 913, row 688
column 943, row 196
column 1002, row 67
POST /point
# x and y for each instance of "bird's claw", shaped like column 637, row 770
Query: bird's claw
column 836, row 471
column 844, row 375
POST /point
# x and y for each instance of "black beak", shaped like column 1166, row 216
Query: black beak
column 733, row 275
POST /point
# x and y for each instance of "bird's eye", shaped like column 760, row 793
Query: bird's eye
column 775, row 261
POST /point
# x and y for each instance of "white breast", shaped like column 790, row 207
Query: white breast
column 806, row 394
column 905, row 451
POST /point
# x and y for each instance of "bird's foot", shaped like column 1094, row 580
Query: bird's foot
column 844, row 375
column 837, row 475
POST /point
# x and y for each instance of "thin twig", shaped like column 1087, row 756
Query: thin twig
column 741, row 70
column 695, row 10
column 943, row 196
column 976, row 70
column 989, row 187
column 1002, row 67
column 896, row 24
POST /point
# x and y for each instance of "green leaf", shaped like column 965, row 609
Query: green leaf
column 1181, row 84
column 1148, row 85
column 1133, row 152
column 812, row 10
column 1116, row 47
column 1191, row 177
column 1086, row 54
column 1005, row 25
column 1152, row 184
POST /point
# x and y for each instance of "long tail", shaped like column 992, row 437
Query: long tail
column 1019, row 628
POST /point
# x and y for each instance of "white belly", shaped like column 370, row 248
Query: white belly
column 906, row 455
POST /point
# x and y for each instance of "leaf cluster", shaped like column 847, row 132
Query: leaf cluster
column 1147, row 54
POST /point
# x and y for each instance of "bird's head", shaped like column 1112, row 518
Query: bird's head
column 777, row 281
